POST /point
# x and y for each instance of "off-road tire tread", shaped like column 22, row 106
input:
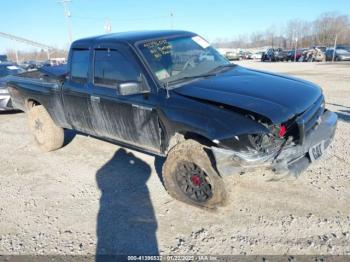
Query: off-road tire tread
column 53, row 136
column 193, row 151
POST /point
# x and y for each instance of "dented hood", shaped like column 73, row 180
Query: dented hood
column 276, row 97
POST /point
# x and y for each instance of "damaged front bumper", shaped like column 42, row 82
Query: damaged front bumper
column 292, row 158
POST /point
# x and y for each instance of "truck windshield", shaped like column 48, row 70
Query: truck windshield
column 176, row 59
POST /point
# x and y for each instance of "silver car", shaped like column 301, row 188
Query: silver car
column 5, row 70
column 232, row 56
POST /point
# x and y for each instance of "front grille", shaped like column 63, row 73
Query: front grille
column 309, row 119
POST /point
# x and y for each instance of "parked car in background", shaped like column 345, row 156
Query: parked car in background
column 3, row 58
column 268, row 55
column 257, row 55
column 45, row 63
column 52, row 62
column 313, row 54
column 245, row 55
column 346, row 47
column 232, row 56
column 319, row 54
column 183, row 101
column 321, row 48
column 7, row 69
column 29, row 65
column 58, row 61
column 341, row 54
column 291, row 55
column 274, row 55
column 281, row 55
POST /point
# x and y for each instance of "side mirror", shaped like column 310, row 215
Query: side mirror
column 132, row 88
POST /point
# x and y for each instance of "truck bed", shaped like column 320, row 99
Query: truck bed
column 42, row 85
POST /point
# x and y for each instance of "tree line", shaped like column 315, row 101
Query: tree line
column 321, row 32
column 35, row 55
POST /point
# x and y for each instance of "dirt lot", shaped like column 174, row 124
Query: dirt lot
column 93, row 196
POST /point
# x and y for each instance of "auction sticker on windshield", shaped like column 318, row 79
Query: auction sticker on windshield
column 158, row 48
column 162, row 74
column 200, row 41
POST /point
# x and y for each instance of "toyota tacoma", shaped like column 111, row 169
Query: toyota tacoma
column 172, row 94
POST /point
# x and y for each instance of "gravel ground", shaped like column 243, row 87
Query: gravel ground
column 92, row 196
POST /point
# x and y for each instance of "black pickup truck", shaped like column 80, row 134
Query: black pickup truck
column 170, row 93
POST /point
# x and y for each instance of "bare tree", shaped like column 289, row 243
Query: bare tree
column 270, row 35
column 298, row 30
column 330, row 25
column 37, row 55
column 257, row 39
column 322, row 31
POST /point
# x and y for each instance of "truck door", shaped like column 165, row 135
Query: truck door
column 130, row 119
column 75, row 91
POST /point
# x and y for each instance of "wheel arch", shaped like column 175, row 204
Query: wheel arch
column 30, row 103
column 199, row 138
column 182, row 135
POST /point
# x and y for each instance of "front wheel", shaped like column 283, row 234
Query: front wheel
column 46, row 133
column 189, row 176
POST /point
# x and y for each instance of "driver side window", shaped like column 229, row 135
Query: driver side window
column 111, row 67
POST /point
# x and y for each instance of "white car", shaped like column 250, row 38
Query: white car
column 232, row 56
column 257, row 55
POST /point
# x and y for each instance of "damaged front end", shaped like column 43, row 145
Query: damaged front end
column 289, row 147
column 5, row 100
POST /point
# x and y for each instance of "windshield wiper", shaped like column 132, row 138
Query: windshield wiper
column 189, row 78
column 208, row 74
column 216, row 69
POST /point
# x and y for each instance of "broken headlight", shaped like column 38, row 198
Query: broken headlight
column 262, row 143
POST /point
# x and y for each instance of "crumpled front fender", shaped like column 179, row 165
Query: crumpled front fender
column 293, row 158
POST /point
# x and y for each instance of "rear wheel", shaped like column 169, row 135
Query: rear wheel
column 46, row 133
column 190, row 177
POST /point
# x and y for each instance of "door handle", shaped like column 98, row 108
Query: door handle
column 95, row 99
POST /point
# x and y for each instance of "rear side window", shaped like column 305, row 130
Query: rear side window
column 80, row 65
column 112, row 67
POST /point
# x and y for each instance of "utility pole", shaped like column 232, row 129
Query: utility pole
column 335, row 47
column 171, row 20
column 108, row 26
column 67, row 15
column 17, row 60
column 295, row 51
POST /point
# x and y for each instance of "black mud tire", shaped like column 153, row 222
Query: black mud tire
column 194, row 156
column 46, row 133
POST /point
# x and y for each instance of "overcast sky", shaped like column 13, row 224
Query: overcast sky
column 43, row 20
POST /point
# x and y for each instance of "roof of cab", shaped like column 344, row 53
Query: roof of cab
column 130, row 37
